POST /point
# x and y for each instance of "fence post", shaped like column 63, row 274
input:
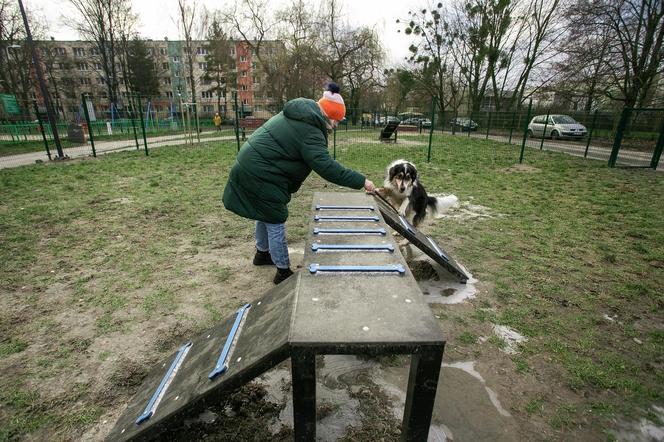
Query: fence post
column 488, row 126
column 525, row 130
column 41, row 129
column 132, row 111
column 84, row 98
column 237, row 122
column 433, row 122
column 590, row 133
column 470, row 122
column 512, row 126
column 456, row 120
column 140, row 113
column 442, row 122
column 546, row 123
column 334, row 143
column 617, row 141
column 658, row 149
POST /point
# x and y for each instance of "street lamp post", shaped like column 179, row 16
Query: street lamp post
column 42, row 84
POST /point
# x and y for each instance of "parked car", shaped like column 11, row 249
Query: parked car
column 425, row 122
column 383, row 120
column 464, row 124
column 411, row 121
column 557, row 127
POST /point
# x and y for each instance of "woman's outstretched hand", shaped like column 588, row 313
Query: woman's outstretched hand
column 369, row 186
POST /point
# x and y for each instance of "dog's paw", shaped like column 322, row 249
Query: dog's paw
column 402, row 213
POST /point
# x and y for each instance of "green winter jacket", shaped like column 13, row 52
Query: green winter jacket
column 277, row 158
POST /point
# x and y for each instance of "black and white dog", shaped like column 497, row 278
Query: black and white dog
column 404, row 191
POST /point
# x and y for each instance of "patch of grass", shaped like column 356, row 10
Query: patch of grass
column 220, row 273
column 160, row 300
column 521, row 365
column 497, row 341
column 467, row 338
column 215, row 314
column 12, row 346
column 569, row 241
column 563, row 418
column 534, row 406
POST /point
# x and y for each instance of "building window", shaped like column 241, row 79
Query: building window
column 167, row 80
column 98, row 66
column 243, row 87
column 206, row 94
column 208, row 109
column 150, row 51
column 254, row 79
column 100, row 80
column 176, row 58
column 245, row 101
column 94, row 51
column 177, row 74
column 201, row 51
column 85, row 80
column 169, row 94
column 244, row 73
column 162, row 51
column 243, row 58
column 232, row 51
column 164, row 66
column 60, row 51
column 79, row 52
column 82, row 66
column 63, row 65
column 202, row 66
column 253, row 65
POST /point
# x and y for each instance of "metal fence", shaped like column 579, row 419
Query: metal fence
column 633, row 137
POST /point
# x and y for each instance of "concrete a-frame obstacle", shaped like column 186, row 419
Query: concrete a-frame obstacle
column 355, row 295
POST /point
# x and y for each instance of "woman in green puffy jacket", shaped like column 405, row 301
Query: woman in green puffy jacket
column 274, row 162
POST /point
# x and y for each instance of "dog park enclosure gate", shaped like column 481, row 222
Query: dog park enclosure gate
column 355, row 295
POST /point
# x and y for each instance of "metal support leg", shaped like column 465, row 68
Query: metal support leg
column 422, row 385
column 303, row 367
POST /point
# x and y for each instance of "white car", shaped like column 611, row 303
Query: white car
column 558, row 126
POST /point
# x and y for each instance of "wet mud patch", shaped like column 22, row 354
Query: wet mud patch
column 520, row 168
column 436, row 283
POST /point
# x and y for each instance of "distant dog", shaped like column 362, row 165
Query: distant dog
column 404, row 191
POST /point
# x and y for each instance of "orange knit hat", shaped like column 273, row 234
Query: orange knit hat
column 332, row 103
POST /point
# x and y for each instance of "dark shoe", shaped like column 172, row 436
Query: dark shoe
column 281, row 275
column 262, row 259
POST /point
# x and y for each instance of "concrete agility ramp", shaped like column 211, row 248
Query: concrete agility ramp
column 355, row 295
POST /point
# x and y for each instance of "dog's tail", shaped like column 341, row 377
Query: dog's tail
column 440, row 204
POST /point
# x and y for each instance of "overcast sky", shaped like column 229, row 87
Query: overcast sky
column 156, row 18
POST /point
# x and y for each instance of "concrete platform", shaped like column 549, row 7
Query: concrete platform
column 314, row 312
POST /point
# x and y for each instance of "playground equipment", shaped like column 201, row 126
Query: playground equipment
column 355, row 295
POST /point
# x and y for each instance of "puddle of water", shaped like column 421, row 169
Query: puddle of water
column 511, row 337
column 338, row 373
column 446, row 290
column 466, row 408
column 467, row 210
column 642, row 431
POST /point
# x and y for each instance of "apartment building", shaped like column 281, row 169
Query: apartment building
column 74, row 67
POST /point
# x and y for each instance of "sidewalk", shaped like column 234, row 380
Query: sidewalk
column 102, row 147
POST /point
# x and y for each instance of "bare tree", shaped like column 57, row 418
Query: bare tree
column 351, row 56
column 100, row 21
column 256, row 25
column 629, row 34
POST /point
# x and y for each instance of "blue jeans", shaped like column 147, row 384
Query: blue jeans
column 272, row 237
